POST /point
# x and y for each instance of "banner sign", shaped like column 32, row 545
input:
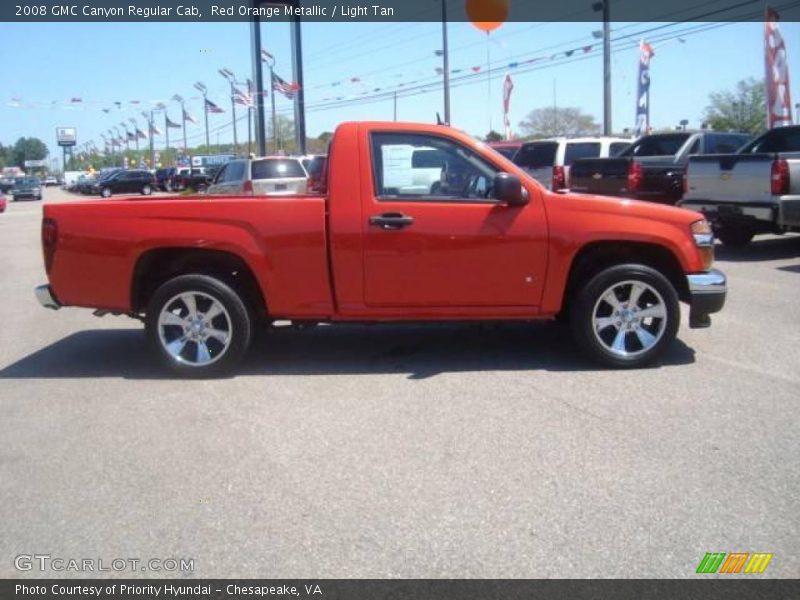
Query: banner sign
column 643, row 90
column 779, row 100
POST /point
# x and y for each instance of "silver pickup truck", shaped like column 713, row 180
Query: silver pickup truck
column 756, row 190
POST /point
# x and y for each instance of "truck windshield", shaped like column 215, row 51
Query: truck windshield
column 657, row 145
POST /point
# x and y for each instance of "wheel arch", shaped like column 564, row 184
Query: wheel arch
column 597, row 256
column 156, row 266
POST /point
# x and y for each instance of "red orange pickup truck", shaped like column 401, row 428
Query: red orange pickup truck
column 412, row 223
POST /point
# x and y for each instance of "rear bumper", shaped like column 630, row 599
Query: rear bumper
column 715, row 210
column 707, row 293
column 46, row 297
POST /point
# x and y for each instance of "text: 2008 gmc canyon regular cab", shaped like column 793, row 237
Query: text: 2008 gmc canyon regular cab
column 385, row 243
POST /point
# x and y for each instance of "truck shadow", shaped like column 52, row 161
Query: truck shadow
column 421, row 351
column 762, row 249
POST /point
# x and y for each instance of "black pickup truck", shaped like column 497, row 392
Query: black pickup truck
column 652, row 168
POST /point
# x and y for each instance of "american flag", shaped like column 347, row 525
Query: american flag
column 141, row 134
column 284, row 87
column 213, row 108
column 188, row 117
column 243, row 98
column 171, row 123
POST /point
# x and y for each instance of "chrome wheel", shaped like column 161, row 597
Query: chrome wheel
column 195, row 329
column 629, row 318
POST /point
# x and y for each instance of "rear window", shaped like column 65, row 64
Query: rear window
column 777, row 140
column 576, row 150
column 617, row 148
column 315, row 166
column 657, row 145
column 507, row 151
column 277, row 169
column 536, row 155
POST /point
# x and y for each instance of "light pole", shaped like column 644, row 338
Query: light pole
column 228, row 74
column 445, row 66
column 200, row 86
column 603, row 6
column 178, row 98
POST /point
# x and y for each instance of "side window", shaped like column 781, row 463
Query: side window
column 576, row 150
column 695, row 147
column 429, row 167
column 234, row 172
column 220, row 178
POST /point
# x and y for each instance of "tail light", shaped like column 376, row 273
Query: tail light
column 559, row 179
column 780, row 178
column 49, row 241
column 635, row 176
column 247, row 187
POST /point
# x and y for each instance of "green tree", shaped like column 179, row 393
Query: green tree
column 28, row 149
column 742, row 109
column 556, row 121
column 5, row 156
column 494, row 136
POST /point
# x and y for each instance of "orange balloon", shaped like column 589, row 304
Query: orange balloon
column 487, row 15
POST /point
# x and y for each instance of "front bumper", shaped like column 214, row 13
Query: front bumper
column 46, row 297
column 707, row 293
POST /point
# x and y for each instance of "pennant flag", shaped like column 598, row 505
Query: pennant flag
column 119, row 104
column 476, row 69
column 569, row 52
column 587, row 49
column 213, row 108
column 779, row 99
column 508, row 87
column 355, row 80
column 284, row 87
column 171, row 124
column 106, row 110
column 76, row 99
column 188, row 117
column 643, row 90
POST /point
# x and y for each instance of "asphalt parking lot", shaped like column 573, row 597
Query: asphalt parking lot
column 440, row 451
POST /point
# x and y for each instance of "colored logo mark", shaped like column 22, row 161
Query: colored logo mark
column 733, row 563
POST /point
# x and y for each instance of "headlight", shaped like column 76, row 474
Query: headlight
column 704, row 240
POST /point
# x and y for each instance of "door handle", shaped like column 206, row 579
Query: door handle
column 391, row 221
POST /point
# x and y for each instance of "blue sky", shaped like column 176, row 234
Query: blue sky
column 107, row 62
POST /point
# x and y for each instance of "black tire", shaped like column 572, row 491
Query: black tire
column 105, row 192
column 237, row 318
column 735, row 236
column 587, row 302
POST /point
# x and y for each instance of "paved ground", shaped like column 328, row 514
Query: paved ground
column 445, row 451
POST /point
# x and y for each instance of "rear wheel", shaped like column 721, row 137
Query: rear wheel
column 198, row 326
column 625, row 316
column 735, row 236
column 105, row 192
column 147, row 189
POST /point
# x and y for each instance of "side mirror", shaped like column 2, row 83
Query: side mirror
column 508, row 189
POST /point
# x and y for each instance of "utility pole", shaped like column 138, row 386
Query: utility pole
column 603, row 6
column 300, row 94
column 445, row 65
column 275, row 137
column 250, row 118
column 258, row 77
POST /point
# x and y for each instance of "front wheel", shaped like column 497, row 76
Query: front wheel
column 198, row 326
column 147, row 189
column 105, row 192
column 625, row 316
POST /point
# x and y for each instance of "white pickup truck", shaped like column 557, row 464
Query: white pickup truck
column 756, row 190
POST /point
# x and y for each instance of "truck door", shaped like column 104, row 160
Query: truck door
column 452, row 244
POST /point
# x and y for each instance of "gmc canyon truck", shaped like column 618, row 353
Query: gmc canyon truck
column 652, row 168
column 203, row 272
column 756, row 190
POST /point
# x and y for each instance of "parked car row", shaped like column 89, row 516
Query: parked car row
column 116, row 181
